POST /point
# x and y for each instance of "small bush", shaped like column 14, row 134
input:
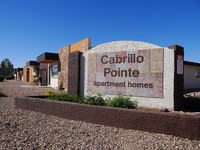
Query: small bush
column 2, row 94
column 119, row 101
column 1, row 78
column 10, row 77
column 122, row 102
column 94, row 100
column 48, row 93
column 63, row 97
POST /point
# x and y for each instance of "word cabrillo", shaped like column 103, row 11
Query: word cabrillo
column 130, row 58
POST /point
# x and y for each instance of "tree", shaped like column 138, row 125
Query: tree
column 6, row 64
column 7, row 67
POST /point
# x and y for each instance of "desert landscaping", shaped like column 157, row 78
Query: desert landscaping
column 22, row 129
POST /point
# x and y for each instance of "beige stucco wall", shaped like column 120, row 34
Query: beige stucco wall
column 43, row 66
column 190, row 80
column 168, row 86
column 53, row 80
column 19, row 75
column 31, row 79
column 25, row 74
column 33, row 73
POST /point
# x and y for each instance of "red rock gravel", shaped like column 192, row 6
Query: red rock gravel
column 21, row 129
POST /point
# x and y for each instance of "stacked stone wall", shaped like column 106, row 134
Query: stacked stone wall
column 63, row 67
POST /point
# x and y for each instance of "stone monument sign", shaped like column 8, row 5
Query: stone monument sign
column 149, row 74
column 133, row 72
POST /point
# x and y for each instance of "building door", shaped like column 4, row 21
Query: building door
column 50, row 70
column 27, row 75
column 43, row 74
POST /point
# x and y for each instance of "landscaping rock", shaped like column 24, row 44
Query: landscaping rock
column 21, row 129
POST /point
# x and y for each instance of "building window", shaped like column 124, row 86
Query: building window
column 197, row 73
column 54, row 71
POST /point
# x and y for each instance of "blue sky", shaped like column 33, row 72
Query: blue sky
column 29, row 28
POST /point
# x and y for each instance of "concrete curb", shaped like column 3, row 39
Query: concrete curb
column 185, row 126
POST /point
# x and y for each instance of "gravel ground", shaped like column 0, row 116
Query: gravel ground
column 21, row 129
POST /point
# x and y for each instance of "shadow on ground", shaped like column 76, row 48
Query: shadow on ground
column 192, row 100
column 191, row 91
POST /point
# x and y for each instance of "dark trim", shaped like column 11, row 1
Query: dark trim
column 19, row 69
column 47, row 57
column 31, row 63
column 191, row 63
column 178, row 78
column 181, row 125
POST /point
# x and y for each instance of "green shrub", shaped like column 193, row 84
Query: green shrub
column 1, row 78
column 10, row 77
column 63, row 97
column 48, row 93
column 119, row 101
column 2, row 94
column 122, row 102
column 94, row 100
